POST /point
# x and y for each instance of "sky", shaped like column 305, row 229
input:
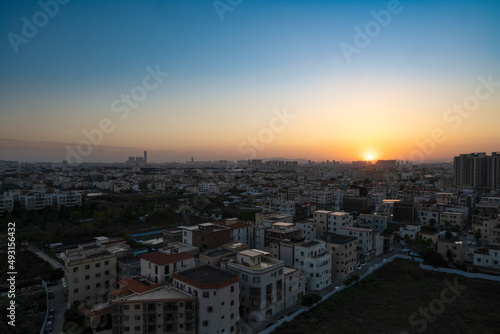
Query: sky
column 100, row 81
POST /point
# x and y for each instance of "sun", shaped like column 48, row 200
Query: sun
column 370, row 157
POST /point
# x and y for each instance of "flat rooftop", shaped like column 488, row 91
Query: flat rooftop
column 207, row 275
column 311, row 243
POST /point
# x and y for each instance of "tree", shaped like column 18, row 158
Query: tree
column 448, row 235
column 310, row 299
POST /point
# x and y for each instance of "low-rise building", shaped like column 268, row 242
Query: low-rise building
column 453, row 252
column 315, row 261
column 262, row 283
column 217, row 293
column 344, row 250
column 487, row 260
column 160, row 266
column 142, row 306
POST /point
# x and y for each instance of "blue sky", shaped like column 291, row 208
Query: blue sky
column 227, row 76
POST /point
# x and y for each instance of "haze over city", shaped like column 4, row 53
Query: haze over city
column 385, row 93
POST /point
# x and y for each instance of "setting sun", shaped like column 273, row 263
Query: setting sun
column 370, row 157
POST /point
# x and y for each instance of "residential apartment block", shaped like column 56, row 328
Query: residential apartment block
column 142, row 306
column 160, row 266
column 261, row 285
column 217, row 293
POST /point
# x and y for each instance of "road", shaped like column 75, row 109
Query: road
column 59, row 304
column 54, row 263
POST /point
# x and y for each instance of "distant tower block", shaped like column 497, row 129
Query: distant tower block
column 192, row 159
column 145, row 157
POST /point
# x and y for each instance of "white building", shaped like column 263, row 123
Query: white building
column 217, row 292
column 337, row 220
column 240, row 231
column 377, row 222
column 261, row 285
column 488, row 258
column 36, row 201
column 308, row 229
column 160, row 266
column 315, row 261
column 68, row 199
column 280, row 206
column 6, row 204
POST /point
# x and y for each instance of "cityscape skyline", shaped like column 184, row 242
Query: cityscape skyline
column 318, row 81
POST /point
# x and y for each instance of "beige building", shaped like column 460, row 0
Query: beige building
column 91, row 269
column 295, row 286
column 452, row 251
column 450, row 219
column 433, row 236
column 217, row 293
column 344, row 254
column 444, row 198
column 143, row 306
column 320, row 218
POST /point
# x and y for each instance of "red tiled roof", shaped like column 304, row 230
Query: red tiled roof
column 121, row 292
column 135, row 286
column 162, row 259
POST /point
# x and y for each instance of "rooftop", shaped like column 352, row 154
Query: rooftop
column 162, row 259
column 207, row 277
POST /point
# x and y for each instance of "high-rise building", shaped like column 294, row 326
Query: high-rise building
column 477, row 170
column 145, row 157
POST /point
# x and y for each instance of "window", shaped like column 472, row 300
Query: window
column 87, row 267
column 126, row 329
column 126, row 307
column 222, row 303
column 137, row 317
column 98, row 275
column 126, row 318
column 232, row 302
column 137, row 328
column 97, row 265
column 137, row 306
column 75, row 280
column 232, row 315
column 232, row 329
column 75, row 270
column 205, row 294
column 215, row 293
column 205, row 323
column 106, row 272
column 98, row 285
column 87, row 277
column 256, row 279
column 232, row 288
column 75, row 290
column 106, row 262
column 87, row 287
column 222, row 317
column 209, row 309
